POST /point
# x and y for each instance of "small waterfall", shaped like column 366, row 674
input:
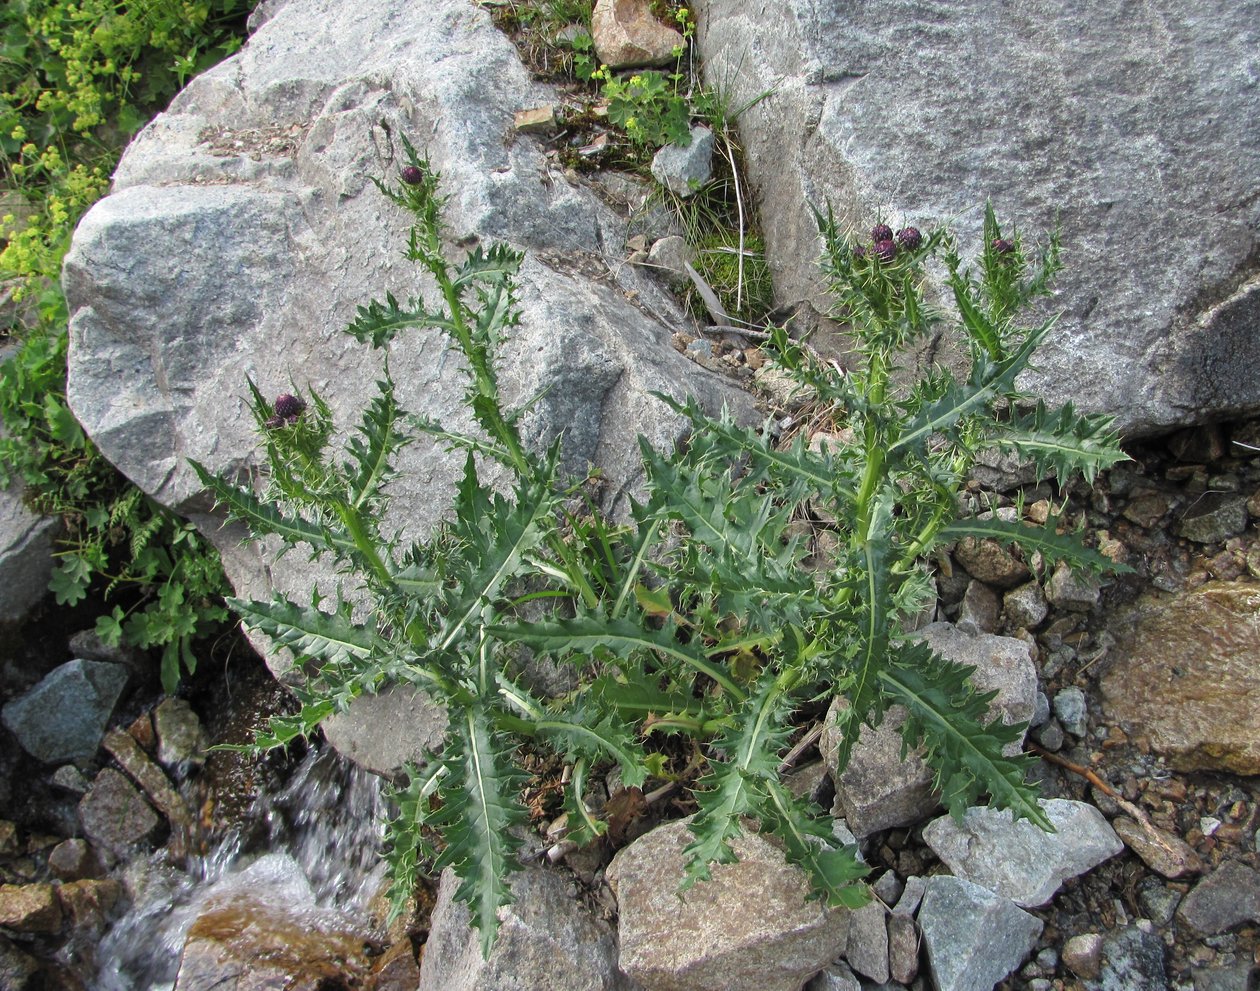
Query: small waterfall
column 317, row 853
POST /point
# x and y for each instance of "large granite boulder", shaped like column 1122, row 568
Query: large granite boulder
column 1138, row 131
column 243, row 232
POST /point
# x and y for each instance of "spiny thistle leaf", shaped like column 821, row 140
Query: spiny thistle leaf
column 479, row 818
column 379, row 323
column 579, row 734
column 409, row 850
column 1054, row 546
column 372, row 452
column 809, row 843
column 330, row 638
column 1062, row 441
column 964, row 748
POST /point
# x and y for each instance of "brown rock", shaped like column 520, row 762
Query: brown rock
column 255, row 946
column 627, row 36
column 1185, row 677
column 535, row 119
column 114, row 815
column 397, row 969
column 89, row 904
column 1083, row 955
column 751, row 927
column 903, row 948
column 991, row 563
column 1147, row 508
column 1162, row 852
column 74, row 860
column 30, row 908
column 150, row 777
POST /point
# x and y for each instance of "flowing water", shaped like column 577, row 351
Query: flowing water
column 317, row 855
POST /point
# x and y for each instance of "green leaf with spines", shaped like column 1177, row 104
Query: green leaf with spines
column 809, row 842
column 372, row 452
column 1061, row 441
column 409, row 849
column 964, row 748
column 329, row 638
column 1046, row 539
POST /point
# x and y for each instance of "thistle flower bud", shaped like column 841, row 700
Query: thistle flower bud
column 886, row 250
column 881, row 232
column 288, row 407
column 909, row 238
column 412, row 176
column 1002, row 246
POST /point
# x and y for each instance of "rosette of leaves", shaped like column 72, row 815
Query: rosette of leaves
column 696, row 615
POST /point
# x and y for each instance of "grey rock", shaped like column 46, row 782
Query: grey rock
column 1103, row 130
column 837, row 977
column 1082, row 954
column 64, row 716
column 879, row 790
column 670, row 256
column 1050, row 735
column 1025, row 606
column 903, row 947
column 182, row 740
column 546, row 939
column 115, row 816
column 1158, row 902
column 867, row 948
column 19, row 971
column 684, row 170
column 1225, row 898
column 973, row 937
column 1070, row 708
column 888, row 888
column 978, row 611
column 1018, row 859
column 1213, row 517
column 26, row 561
column 74, row 860
column 1239, row 977
column 750, row 927
column 910, row 899
column 71, row 779
column 260, row 168
column 1132, row 957
column 1041, row 710
column 409, row 727
column 1069, row 590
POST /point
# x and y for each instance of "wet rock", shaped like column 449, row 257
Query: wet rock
column 181, row 739
column 991, row 563
column 1070, row 590
column 1183, row 666
column 26, row 561
column 257, row 945
column 837, row 977
column 114, row 815
column 70, row 778
column 1069, row 706
column 1160, row 850
column 870, row 88
column 1025, row 606
column 683, row 170
column 1225, row 898
column 867, row 948
column 546, row 939
column 1082, row 954
column 64, row 716
column 1214, row 517
column 397, row 969
column 973, row 937
column 878, row 789
column 89, row 904
column 74, row 860
column 30, row 908
column 1132, row 957
column 1018, row 859
column 19, row 971
column 750, row 927
column 626, row 35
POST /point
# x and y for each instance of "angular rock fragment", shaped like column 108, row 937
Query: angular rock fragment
column 114, row 815
column 1019, row 860
column 63, row 717
column 867, row 948
column 751, row 927
column 684, row 170
column 1225, row 898
column 26, row 546
column 627, row 36
column 1161, row 851
column 973, row 937
column 30, row 908
column 1184, row 673
column 546, row 939
column 837, row 977
column 1132, row 957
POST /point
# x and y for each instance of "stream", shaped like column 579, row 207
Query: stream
column 315, row 853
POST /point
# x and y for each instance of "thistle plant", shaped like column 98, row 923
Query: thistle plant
column 694, row 617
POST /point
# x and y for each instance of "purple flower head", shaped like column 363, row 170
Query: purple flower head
column 1002, row 246
column 412, row 176
column 886, row 250
column 881, row 232
column 288, row 409
column 909, row 238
